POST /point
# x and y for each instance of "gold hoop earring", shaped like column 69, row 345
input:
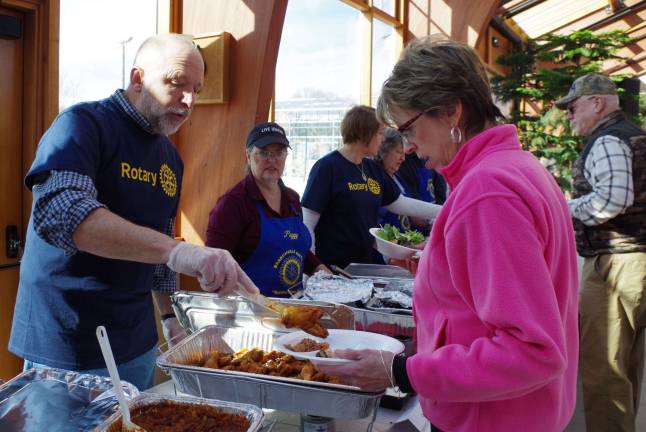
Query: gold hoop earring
column 456, row 135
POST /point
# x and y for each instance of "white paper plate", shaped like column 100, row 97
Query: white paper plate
column 339, row 339
column 390, row 249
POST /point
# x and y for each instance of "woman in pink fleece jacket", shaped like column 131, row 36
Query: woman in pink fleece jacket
column 495, row 298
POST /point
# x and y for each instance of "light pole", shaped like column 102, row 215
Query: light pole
column 123, row 61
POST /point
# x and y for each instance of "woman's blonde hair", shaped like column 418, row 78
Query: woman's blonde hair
column 435, row 75
column 359, row 124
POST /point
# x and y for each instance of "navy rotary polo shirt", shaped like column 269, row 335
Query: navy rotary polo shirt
column 62, row 299
column 348, row 204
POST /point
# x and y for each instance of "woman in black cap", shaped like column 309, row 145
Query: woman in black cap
column 259, row 220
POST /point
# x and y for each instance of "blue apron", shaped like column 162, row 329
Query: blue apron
column 277, row 263
column 401, row 222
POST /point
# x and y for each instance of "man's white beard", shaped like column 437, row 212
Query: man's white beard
column 157, row 116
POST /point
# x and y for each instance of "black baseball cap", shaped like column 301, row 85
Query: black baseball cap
column 264, row 134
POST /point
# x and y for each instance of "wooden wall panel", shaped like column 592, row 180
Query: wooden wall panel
column 37, row 89
column 212, row 141
column 451, row 19
column 10, row 365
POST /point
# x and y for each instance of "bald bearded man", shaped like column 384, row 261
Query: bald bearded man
column 106, row 182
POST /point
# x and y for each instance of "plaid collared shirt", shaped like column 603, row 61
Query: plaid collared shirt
column 609, row 170
column 65, row 198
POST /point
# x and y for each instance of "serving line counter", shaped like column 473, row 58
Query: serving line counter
column 232, row 324
column 408, row 419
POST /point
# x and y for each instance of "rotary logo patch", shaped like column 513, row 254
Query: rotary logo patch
column 374, row 186
column 290, row 271
column 290, row 267
column 168, row 180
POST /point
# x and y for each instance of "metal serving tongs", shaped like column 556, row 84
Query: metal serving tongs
column 307, row 318
column 261, row 300
column 338, row 270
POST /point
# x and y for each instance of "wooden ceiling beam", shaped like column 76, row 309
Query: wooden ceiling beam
column 616, row 5
column 571, row 25
column 626, row 11
column 639, row 61
column 508, row 12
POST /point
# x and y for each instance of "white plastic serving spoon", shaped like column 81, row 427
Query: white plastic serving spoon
column 106, row 350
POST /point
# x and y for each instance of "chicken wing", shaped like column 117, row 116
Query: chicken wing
column 307, row 318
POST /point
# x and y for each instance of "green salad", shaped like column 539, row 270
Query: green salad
column 409, row 238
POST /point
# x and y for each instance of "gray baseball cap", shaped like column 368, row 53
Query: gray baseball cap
column 590, row 84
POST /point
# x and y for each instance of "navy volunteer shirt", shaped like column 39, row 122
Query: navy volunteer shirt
column 348, row 205
column 63, row 298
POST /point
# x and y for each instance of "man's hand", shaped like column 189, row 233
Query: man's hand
column 215, row 269
column 173, row 331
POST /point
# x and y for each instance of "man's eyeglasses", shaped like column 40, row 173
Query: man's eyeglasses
column 276, row 155
column 572, row 108
column 403, row 129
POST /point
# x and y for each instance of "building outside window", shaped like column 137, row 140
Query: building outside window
column 319, row 75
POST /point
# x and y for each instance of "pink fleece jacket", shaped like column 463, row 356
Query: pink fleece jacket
column 495, row 296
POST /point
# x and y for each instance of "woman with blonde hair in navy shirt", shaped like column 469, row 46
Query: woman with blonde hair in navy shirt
column 345, row 190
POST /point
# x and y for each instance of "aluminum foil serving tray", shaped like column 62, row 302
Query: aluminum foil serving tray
column 56, row 400
column 388, row 322
column 286, row 394
column 251, row 413
column 196, row 310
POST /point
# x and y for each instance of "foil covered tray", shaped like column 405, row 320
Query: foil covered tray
column 327, row 287
column 56, row 400
column 196, row 310
column 252, row 413
column 286, row 394
column 377, row 271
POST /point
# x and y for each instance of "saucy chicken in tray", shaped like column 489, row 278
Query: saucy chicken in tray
column 273, row 363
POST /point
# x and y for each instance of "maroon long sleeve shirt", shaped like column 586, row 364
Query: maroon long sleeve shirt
column 234, row 223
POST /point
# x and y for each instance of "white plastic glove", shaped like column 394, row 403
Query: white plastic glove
column 173, row 331
column 215, row 269
column 371, row 369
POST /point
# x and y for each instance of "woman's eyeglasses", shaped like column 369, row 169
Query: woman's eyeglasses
column 404, row 129
column 276, row 155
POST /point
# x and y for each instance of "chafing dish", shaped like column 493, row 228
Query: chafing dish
column 196, row 310
column 287, row 394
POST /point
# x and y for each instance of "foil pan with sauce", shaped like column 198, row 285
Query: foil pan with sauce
column 253, row 414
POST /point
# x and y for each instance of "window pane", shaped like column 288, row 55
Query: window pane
column 317, row 80
column 387, row 6
column 384, row 44
column 93, row 35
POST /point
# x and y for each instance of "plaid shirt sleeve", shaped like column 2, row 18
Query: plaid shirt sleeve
column 608, row 168
column 62, row 202
column 164, row 279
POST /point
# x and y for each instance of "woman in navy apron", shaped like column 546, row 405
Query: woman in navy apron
column 390, row 156
column 260, row 220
